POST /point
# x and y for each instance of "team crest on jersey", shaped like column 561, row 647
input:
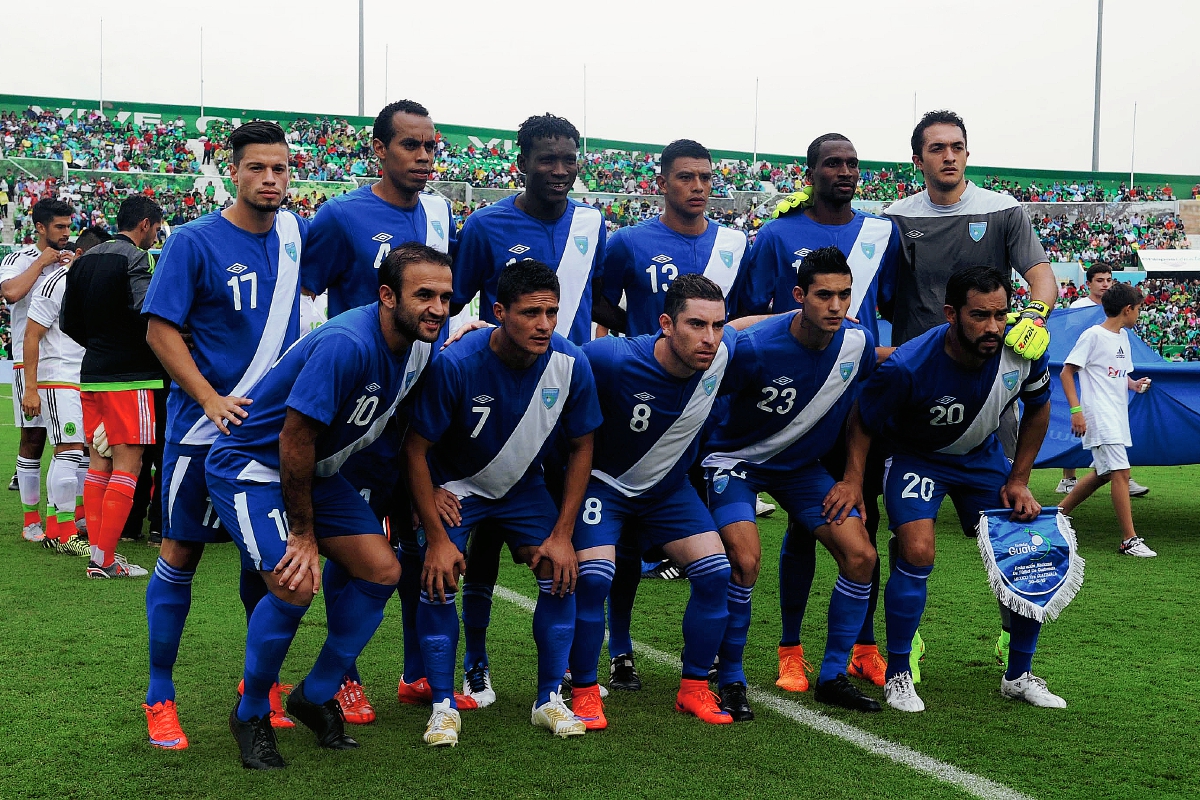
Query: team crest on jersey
column 726, row 258
column 69, row 429
column 977, row 229
column 409, row 378
column 710, row 383
column 846, row 368
column 868, row 249
column 237, row 269
column 1010, row 379
column 720, row 482
column 381, row 237
column 437, row 228
column 582, row 243
column 290, row 249
column 549, row 397
column 518, row 249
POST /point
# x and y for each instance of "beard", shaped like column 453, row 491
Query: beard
column 974, row 346
column 408, row 325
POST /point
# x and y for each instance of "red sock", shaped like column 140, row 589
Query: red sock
column 66, row 529
column 94, row 484
column 51, row 527
column 33, row 517
column 118, row 500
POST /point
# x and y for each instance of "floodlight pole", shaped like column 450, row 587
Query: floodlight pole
column 585, row 149
column 202, row 70
column 1096, row 107
column 102, row 67
column 362, row 72
column 1132, row 145
column 385, row 75
column 755, row 160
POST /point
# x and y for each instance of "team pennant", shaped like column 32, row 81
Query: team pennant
column 1034, row 567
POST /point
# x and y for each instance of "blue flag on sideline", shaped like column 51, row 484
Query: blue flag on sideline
column 1033, row 567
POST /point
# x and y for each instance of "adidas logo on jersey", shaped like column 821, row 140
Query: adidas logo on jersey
column 782, row 380
column 237, row 269
column 372, row 387
column 661, row 259
column 914, row 234
column 1120, row 352
column 381, row 237
column 518, row 249
column 483, row 398
column 645, row 397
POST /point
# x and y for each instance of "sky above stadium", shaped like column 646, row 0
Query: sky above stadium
column 1021, row 73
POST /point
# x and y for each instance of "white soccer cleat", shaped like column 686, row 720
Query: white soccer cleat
column 443, row 726
column 1137, row 490
column 555, row 717
column 477, row 685
column 33, row 532
column 1066, row 485
column 901, row 694
column 1032, row 690
column 762, row 509
column 1136, row 547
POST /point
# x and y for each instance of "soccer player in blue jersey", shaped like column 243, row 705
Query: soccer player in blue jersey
column 796, row 376
column 348, row 240
column 656, row 392
column 544, row 224
column 871, row 245
column 231, row 279
column 276, row 484
column 937, row 401
column 495, row 401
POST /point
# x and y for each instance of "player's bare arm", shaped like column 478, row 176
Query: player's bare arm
column 31, row 402
column 1067, row 376
column 17, row 287
column 444, row 563
column 847, row 494
column 558, row 549
column 1042, row 285
column 168, row 344
column 1016, row 494
column 605, row 313
column 297, row 464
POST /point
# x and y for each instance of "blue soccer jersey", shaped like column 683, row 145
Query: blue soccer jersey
column 490, row 423
column 652, row 420
column 501, row 234
column 925, row 403
column 640, row 262
column 238, row 293
column 871, row 244
column 789, row 403
column 352, row 234
column 343, row 376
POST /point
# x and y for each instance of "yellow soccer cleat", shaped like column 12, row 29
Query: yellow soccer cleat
column 443, row 726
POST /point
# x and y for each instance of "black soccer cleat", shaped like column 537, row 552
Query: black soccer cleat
column 622, row 674
column 733, row 700
column 325, row 720
column 714, row 670
column 666, row 570
column 13, row 485
column 256, row 741
column 841, row 692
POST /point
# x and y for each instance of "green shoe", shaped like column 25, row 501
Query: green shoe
column 74, row 547
column 915, row 655
column 1002, row 649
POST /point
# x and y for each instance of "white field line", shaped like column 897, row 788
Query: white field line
column 972, row 784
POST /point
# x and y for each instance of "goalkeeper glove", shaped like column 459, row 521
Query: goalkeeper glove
column 100, row 442
column 1029, row 337
column 795, row 200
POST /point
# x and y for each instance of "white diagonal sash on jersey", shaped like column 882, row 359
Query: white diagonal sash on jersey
column 418, row 358
column 437, row 214
column 853, row 344
column 875, row 234
column 283, row 305
column 999, row 396
column 526, row 441
column 717, row 271
column 575, row 268
column 665, row 453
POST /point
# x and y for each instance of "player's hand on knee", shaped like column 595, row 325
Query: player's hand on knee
column 560, row 554
column 224, row 411
column 448, row 506
column 474, row 325
column 443, row 564
column 301, row 564
column 843, row 498
column 31, row 403
column 1018, row 497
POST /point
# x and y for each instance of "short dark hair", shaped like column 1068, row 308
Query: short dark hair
column 940, row 117
column 826, row 261
column 385, row 124
column 522, row 278
column 46, row 210
column 546, row 126
column 682, row 148
column 984, row 280
column 258, row 131
column 393, row 267
column 814, row 149
column 690, row 286
column 1099, row 268
column 136, row 208
column 91, row 237
column 1118, row 296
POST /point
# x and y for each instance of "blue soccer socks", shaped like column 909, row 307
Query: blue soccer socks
column 733, row 646
column 904, row 603
column 1022, row 644
column 553, row 631
column 592, row 587
column 620, row 604
column 268, row 637
column 410, row 599
column 706, row 615
column 847, row 608
column 168, row 599
column 476, row 616
column 797, row 564
column 437, row 628
column 353, row 620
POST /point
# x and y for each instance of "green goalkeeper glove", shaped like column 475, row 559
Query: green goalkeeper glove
column 1029, row 337
column 795, row 200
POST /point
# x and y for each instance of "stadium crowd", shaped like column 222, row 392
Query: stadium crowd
column 98, row 143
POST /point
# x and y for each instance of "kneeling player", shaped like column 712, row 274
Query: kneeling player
column 938, row 401
column 796, row 376
column 276, row 484
column 656, row 391
column 479, row 428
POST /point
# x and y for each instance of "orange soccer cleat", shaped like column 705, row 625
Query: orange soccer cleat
column 868, row 664
column 419, row 693
column 279, row 717
column 356, row 709
column 587, row 705
column 793, row 669
column 162, row 719
column 697, row 699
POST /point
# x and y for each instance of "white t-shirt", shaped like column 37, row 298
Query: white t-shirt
column 1105, row 360
column 1084, row 302
column 59, row 356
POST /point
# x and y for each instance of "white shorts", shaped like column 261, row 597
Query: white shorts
column 18, row 390
column 1108, row 458
column 62, row 411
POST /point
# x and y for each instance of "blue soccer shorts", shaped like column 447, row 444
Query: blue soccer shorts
column 188, row 514
column 732, row 493
column 608, row 517
column 254, row 515
column 526, row 516
column 914, row 486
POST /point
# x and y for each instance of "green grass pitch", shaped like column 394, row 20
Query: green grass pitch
column 73, row 673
